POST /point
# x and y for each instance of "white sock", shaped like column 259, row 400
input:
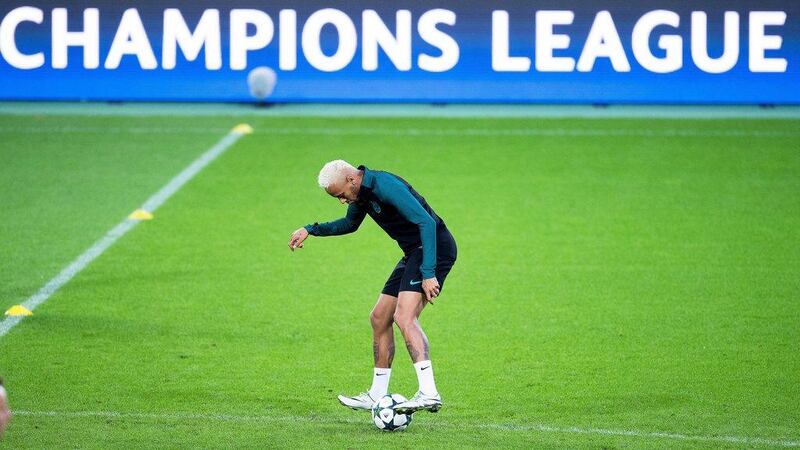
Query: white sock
column 425, row 376
column 380, row 382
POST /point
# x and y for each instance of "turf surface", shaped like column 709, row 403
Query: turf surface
column 620, row 283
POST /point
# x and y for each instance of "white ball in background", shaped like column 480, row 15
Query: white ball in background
column 261, row 82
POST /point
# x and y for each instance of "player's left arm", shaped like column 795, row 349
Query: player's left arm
column 5, row 412
column 392, row 191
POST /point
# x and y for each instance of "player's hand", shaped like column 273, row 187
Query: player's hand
column 5, row 413
column 430, row 287
column 296, row 241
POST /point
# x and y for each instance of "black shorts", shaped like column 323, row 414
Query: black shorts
column 406, row 275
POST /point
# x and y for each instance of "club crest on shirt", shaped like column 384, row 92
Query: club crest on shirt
column 376, row 207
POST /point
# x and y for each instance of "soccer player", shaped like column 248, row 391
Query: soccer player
column 5, row 413
column 417, row 279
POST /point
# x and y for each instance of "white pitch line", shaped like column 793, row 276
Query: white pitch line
column 121, row 228
column 113, row 130
column 541, row 428
column 489, row 132
column 525, row 132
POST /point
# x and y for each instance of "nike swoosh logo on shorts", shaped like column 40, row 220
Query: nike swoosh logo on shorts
column 413, row 283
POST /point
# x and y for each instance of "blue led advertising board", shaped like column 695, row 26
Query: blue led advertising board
column 570, row 51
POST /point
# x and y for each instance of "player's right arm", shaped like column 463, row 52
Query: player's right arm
column 347, row 224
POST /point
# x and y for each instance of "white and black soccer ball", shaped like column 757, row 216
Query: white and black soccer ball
column 385, row 417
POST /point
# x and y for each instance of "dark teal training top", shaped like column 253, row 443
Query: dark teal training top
column 397, row 208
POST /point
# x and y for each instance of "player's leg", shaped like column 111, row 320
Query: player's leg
column 381, row 318
column 406, row 316
column 409, row 306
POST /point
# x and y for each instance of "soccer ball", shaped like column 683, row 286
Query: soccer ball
column 261, row 82
column 385, row 417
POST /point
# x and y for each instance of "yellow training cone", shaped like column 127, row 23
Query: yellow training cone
column 18, row 310
column 141, row 214
column 243, row 128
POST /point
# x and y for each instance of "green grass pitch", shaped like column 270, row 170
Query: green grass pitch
column 620, row 283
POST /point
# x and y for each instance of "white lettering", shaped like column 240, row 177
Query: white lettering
column 501, row 60
column 375, row 33
column 603, row 41
column 241, row 42
column 348, row 40
column 8, row 42
column 177, row 34
column 761, row 42
column 672, row 44
column 89, row 38
column 131, row 39
column 426, row 27
column 287, row 58
column 547, row 41
column 730, row 46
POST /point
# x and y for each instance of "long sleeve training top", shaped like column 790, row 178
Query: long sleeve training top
column 398, row 209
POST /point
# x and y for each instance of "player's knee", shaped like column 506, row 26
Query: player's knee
column 380, row 321
column 403, row 320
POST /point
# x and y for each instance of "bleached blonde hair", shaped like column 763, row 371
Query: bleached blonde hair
column 333, row 171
